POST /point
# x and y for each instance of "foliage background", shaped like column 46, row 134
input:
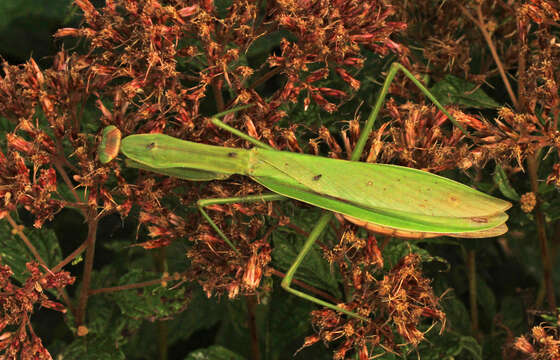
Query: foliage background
column 126, row 325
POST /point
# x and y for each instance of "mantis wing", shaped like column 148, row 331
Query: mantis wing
column 379, row 186
column 397, row 220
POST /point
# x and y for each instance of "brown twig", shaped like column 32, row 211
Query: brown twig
column 533, row 168
column 265, row 77
column 70, row 257
column 251, row 310
column 481, row 25
column 308, row 287
column 18, row 230
column 68, row 183
column 133, row 286
column 532, row 165
column 220, row 105
column 473, row 298
column 88, row 268
column 162, row 330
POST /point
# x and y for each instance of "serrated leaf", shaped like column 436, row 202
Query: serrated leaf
column 92, row 348
column 148, row 302
column 510, row 308
column 15, row 254
column 202, row 315
column 287, row 332
column 397, row 249
column 215, row 352
column 486, row 297
column 314, row 270
column 454, row 90
column 470, row 345
column 457, row 314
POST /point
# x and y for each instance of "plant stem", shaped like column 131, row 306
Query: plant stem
column 488, row 38
column 473, row 297
column 131, row 286
column 532, row 164
column 265, row 77
column 218, row 95
column 17, row 229
column 88, row 267
column 70, row 257
column 251, row 309
column 307, row 287
column 160, row 265
column 162, row 334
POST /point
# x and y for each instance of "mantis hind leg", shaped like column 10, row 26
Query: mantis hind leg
column 356, row 154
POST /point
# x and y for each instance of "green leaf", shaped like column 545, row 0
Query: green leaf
column 457, row 314
column 287, row 333
column 511, row 307
column 215, row 352
column 201, row 316
column 470, row 345
column 451, row 345
column 454, row 90
column 148, row 302
column 397, row 249
column 92, row 348
column 15, row 254
column 314, row 270
column 486, row 297
column 501, row 179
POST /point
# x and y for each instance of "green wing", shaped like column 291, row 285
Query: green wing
column 387, row 195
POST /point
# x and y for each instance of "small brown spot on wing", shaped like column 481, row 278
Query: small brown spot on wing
column 480, row 220
column 317, row 177
column 151, row 146
column 232, row 154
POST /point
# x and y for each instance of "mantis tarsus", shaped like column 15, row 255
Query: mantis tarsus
column 425, row 204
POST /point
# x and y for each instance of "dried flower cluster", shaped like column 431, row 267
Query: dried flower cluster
column 17, row 305
column 397, row 303
column 528, row 202
column 541, row 343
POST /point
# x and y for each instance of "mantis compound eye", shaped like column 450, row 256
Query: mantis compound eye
column 110, row 143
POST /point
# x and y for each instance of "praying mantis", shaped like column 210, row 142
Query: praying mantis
column 388, row 199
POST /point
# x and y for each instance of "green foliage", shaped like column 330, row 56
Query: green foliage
column 314, row 270
column 26, row 27
column 501, row 179
column 14, row 253
column 215, row 352
column 454, row 90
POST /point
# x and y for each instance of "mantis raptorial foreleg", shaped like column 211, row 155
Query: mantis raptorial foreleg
column 313, row 236
column 202, row 203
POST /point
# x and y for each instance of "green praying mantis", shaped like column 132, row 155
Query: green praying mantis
column 389, row 199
